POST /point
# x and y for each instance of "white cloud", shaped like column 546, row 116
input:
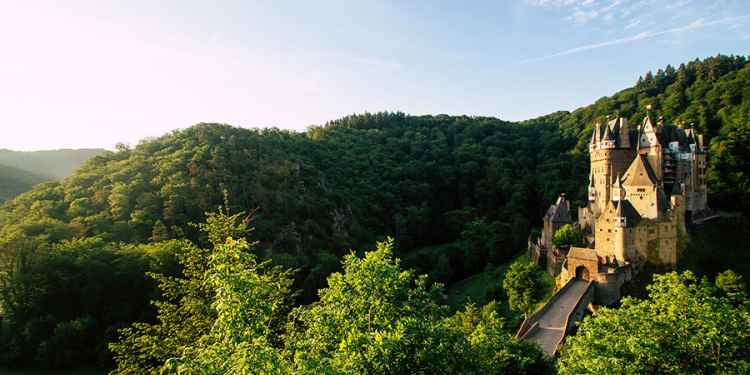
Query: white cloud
column 633, row 23
column 584, row 11
column 561, row 3
column 699, row 23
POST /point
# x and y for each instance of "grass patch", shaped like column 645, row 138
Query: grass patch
column 485, row 286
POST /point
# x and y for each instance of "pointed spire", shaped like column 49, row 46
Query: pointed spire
column 620, row 189
column 624, row 133
column 597, row 132
column 620, row 219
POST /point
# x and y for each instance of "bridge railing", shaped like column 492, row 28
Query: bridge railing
column 528, row 323
column 568, row 324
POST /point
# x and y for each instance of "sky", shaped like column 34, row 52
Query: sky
column 77, row 74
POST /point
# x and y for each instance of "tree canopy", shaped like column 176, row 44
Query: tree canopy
column 373, row 318
column 456, row 193
column 524, row 286
column 567, row 236
column 686, row 326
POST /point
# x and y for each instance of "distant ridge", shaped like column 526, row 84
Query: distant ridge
column 14, row 181
column 50, row 164
column 21, row 170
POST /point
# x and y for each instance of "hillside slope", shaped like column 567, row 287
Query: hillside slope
column 479, row 182
column 710, row 95
column 53, row 164
column 14, row 181
column 459, row 194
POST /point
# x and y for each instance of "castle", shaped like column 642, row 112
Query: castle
column 644, row 182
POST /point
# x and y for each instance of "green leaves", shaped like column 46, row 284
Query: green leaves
column 684, row 327
column 375, row 318
column 368, row 319
column 524, row 286
column 567, row 236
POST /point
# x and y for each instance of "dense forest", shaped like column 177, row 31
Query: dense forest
column 83, row 257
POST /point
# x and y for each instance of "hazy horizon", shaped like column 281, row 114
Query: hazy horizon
column 93, row 74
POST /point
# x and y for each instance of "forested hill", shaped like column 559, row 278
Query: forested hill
column 425, row 179
column 422, row 179
column 52, row 164
column 711, row 95
column 21, row 170
column 14, row 181
column 456, row 192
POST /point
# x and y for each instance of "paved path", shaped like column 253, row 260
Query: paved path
column 546, row 338
column 551, row 328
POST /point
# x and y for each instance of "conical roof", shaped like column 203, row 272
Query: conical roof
column 608, row 135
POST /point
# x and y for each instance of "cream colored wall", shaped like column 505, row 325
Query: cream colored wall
column 604, row 236
column 643, row 201
column 660, row 235
column 606, row 164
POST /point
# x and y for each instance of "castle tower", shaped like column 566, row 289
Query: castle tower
column 640, row 185
column 649, row 145
column 621, row 223
column 611, row 149
column 557, row 215
column 601, row 162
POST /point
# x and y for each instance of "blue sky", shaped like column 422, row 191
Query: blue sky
column 91, row 74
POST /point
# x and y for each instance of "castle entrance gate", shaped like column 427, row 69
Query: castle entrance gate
column 582, row 273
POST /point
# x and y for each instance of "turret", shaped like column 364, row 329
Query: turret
column 608, row 139
column 618, row 193
column 621, row 223
column 595, row 138
column 650, row 146
column 647, row 137
column 620, row 220
column 624, row 133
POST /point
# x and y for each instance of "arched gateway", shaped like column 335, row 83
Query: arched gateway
column 582, row 273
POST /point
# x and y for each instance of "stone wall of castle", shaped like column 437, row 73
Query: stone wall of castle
column 643, row 180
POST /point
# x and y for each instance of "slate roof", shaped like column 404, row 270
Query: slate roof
column 626, row 209
column 639, row 173
column 559, row 212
